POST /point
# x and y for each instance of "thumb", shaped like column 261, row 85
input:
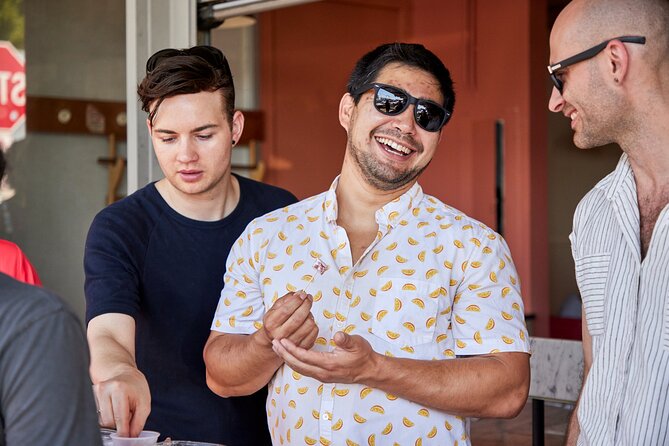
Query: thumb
column 344, row 340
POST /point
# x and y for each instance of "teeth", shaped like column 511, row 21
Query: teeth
column 394, row 145
column 572, row 115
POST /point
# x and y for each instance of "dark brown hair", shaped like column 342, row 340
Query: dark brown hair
column 414, row 55
column 176, row 72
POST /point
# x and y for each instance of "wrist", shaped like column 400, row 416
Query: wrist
column 101, row 372
column 261, row 339
column 373, row 372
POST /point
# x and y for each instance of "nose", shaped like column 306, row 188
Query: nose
column 186, row 152
column 405, row 121
column 556, row 101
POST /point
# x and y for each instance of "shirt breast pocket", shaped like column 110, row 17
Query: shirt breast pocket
column 592, row 273
column 404, row 314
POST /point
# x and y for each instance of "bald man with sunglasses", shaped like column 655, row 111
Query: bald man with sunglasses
column 610, row 67
column 155, row 260
column 403, row 316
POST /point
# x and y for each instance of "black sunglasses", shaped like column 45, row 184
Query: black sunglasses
column 213, row 56
column 584, row 55
column 392, row 101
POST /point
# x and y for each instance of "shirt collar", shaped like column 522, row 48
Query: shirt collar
column 389, row 215
column 330, row 203
column 621, row 176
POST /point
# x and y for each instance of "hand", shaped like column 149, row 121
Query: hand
column 124, row 402
column 350, row 362
column 290, row 318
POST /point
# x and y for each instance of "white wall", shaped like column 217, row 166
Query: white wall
column 74, row 49
column 240, row 46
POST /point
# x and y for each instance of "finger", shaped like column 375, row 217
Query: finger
column 280, row 301
column 139, row 416
column 97, row 404
column 287, row 356
column 293, row 323
column 310, row 340
column 283, row 309
column 121, row 414
column 303, row 333
column 106, row 413
column 321, row 360
column 293, row 298
column 289, row 352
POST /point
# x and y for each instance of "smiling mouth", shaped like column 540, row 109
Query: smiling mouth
column 394, row 147
column 572, row 115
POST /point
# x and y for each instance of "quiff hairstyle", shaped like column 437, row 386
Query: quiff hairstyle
column 186, row 74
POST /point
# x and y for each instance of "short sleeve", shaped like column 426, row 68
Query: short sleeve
column 111, row 264
column 240, row 307
column 488, row 314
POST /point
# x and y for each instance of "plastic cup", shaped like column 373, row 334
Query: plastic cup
column 145, row 438
column 187, row 443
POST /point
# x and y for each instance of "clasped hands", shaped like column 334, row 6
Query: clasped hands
column 290, row 327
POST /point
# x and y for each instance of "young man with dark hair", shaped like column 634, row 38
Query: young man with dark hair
column 155, row 261
column 610, row 67
column 414, row 319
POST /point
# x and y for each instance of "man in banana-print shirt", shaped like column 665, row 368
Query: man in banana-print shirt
column 376, row 313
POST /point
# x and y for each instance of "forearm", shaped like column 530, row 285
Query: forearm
column 490, row 386
column 109, row 358
column 239, row 364
column 573, row 429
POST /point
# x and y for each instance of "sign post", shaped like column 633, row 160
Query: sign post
column 12, row 95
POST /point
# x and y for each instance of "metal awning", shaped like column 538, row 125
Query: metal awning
column 222, row 9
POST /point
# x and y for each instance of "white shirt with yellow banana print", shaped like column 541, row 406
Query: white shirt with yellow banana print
column 435, row 284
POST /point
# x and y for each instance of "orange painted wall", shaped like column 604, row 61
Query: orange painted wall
column 496, row 52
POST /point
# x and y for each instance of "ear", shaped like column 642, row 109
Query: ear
column 618, row 61
column 346, row 107
column 237, row 125
column 148, row 126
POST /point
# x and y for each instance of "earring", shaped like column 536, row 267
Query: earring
column 615, row 79
column 234, row 142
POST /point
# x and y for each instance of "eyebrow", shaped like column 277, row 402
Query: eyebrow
column 195, row 130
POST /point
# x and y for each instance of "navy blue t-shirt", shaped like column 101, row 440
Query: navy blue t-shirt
column 144, row 259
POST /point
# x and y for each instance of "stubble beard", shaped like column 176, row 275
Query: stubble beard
column 601, row 124
column 379, row 175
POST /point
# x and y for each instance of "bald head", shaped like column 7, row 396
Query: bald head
column 584, row 23
column 623, row 76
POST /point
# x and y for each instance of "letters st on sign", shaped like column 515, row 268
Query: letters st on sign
column 12, row 92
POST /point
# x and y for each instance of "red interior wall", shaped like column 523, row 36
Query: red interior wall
column 496, row 52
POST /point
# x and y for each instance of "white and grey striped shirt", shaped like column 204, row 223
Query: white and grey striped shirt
column 625, row 400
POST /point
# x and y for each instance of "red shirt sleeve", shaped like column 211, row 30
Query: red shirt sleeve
column 14, row 263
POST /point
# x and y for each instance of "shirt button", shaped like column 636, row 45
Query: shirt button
column 326, row 416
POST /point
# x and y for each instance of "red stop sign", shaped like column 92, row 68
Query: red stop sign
column 12, row 88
